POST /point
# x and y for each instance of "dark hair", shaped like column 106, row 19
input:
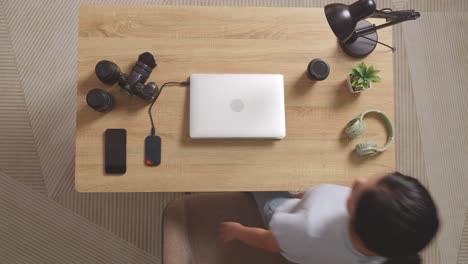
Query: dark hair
column 397, row 218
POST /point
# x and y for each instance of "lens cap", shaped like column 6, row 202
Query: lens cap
column 318, row 69
column 99, row 100
column 107, row 72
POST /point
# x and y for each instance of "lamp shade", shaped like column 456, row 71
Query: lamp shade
column 344, row 18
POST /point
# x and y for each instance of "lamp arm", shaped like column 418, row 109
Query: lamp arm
column 390, row 14
column 392, row 17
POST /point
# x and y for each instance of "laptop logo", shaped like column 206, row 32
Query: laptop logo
column 237, row 105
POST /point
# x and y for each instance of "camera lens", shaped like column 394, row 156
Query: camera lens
column 318, row 70
column 107, row 72
column 99, row 100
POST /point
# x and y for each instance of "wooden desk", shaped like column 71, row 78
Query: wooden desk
column 189, row 40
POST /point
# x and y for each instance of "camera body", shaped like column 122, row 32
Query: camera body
column 133, row 83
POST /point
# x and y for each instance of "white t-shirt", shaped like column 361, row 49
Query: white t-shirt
column 314, row 229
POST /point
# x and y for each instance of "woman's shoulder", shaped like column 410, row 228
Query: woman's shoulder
column 329, row 189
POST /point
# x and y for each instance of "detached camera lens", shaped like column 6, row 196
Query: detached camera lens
column 318, row 70
column 107, row 72
column 99, row 100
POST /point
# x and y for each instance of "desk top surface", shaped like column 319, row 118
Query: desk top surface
column 189, row 40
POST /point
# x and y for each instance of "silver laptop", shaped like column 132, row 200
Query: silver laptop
column 237, row 106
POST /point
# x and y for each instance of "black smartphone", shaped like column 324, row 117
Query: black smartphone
column 115, row 151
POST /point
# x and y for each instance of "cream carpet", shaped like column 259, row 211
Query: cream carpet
column 38, row 46
column 438, row 57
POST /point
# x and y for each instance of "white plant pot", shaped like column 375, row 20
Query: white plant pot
column 350, row 86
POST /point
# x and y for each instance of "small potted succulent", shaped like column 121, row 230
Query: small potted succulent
column 362, row 77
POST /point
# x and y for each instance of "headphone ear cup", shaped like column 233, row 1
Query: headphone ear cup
column 355, row 127
column 366, row 148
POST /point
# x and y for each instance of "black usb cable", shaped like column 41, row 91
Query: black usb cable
column 153, row 129
column 153, row 142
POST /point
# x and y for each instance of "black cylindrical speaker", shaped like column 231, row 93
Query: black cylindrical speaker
column 318, row 70
column 107, row 72
column 99, row 100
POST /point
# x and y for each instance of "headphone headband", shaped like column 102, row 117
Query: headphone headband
column 388, row 125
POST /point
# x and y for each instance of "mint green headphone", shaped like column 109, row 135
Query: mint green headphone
column 357, row 126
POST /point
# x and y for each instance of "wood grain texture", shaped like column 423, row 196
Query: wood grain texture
column 189, row 40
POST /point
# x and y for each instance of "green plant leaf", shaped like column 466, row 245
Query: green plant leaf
column 361, row 68
column 361, row 82
column 366, row 85
column 355, row 72
column 375, row 79
column 354, row 83
column 364, row 70
column 371, row 72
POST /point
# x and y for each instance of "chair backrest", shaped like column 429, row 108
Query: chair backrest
column 191, row 230
column 415, row 259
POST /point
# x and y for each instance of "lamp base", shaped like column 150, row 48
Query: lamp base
column 360, row 47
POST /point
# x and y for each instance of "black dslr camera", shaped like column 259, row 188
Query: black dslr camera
column 134, row 83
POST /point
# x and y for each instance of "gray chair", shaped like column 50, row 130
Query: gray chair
column 191, row 231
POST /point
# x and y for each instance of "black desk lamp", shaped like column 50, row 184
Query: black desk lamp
column 357, row 36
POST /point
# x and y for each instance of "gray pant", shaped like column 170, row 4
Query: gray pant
column 267, row 202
